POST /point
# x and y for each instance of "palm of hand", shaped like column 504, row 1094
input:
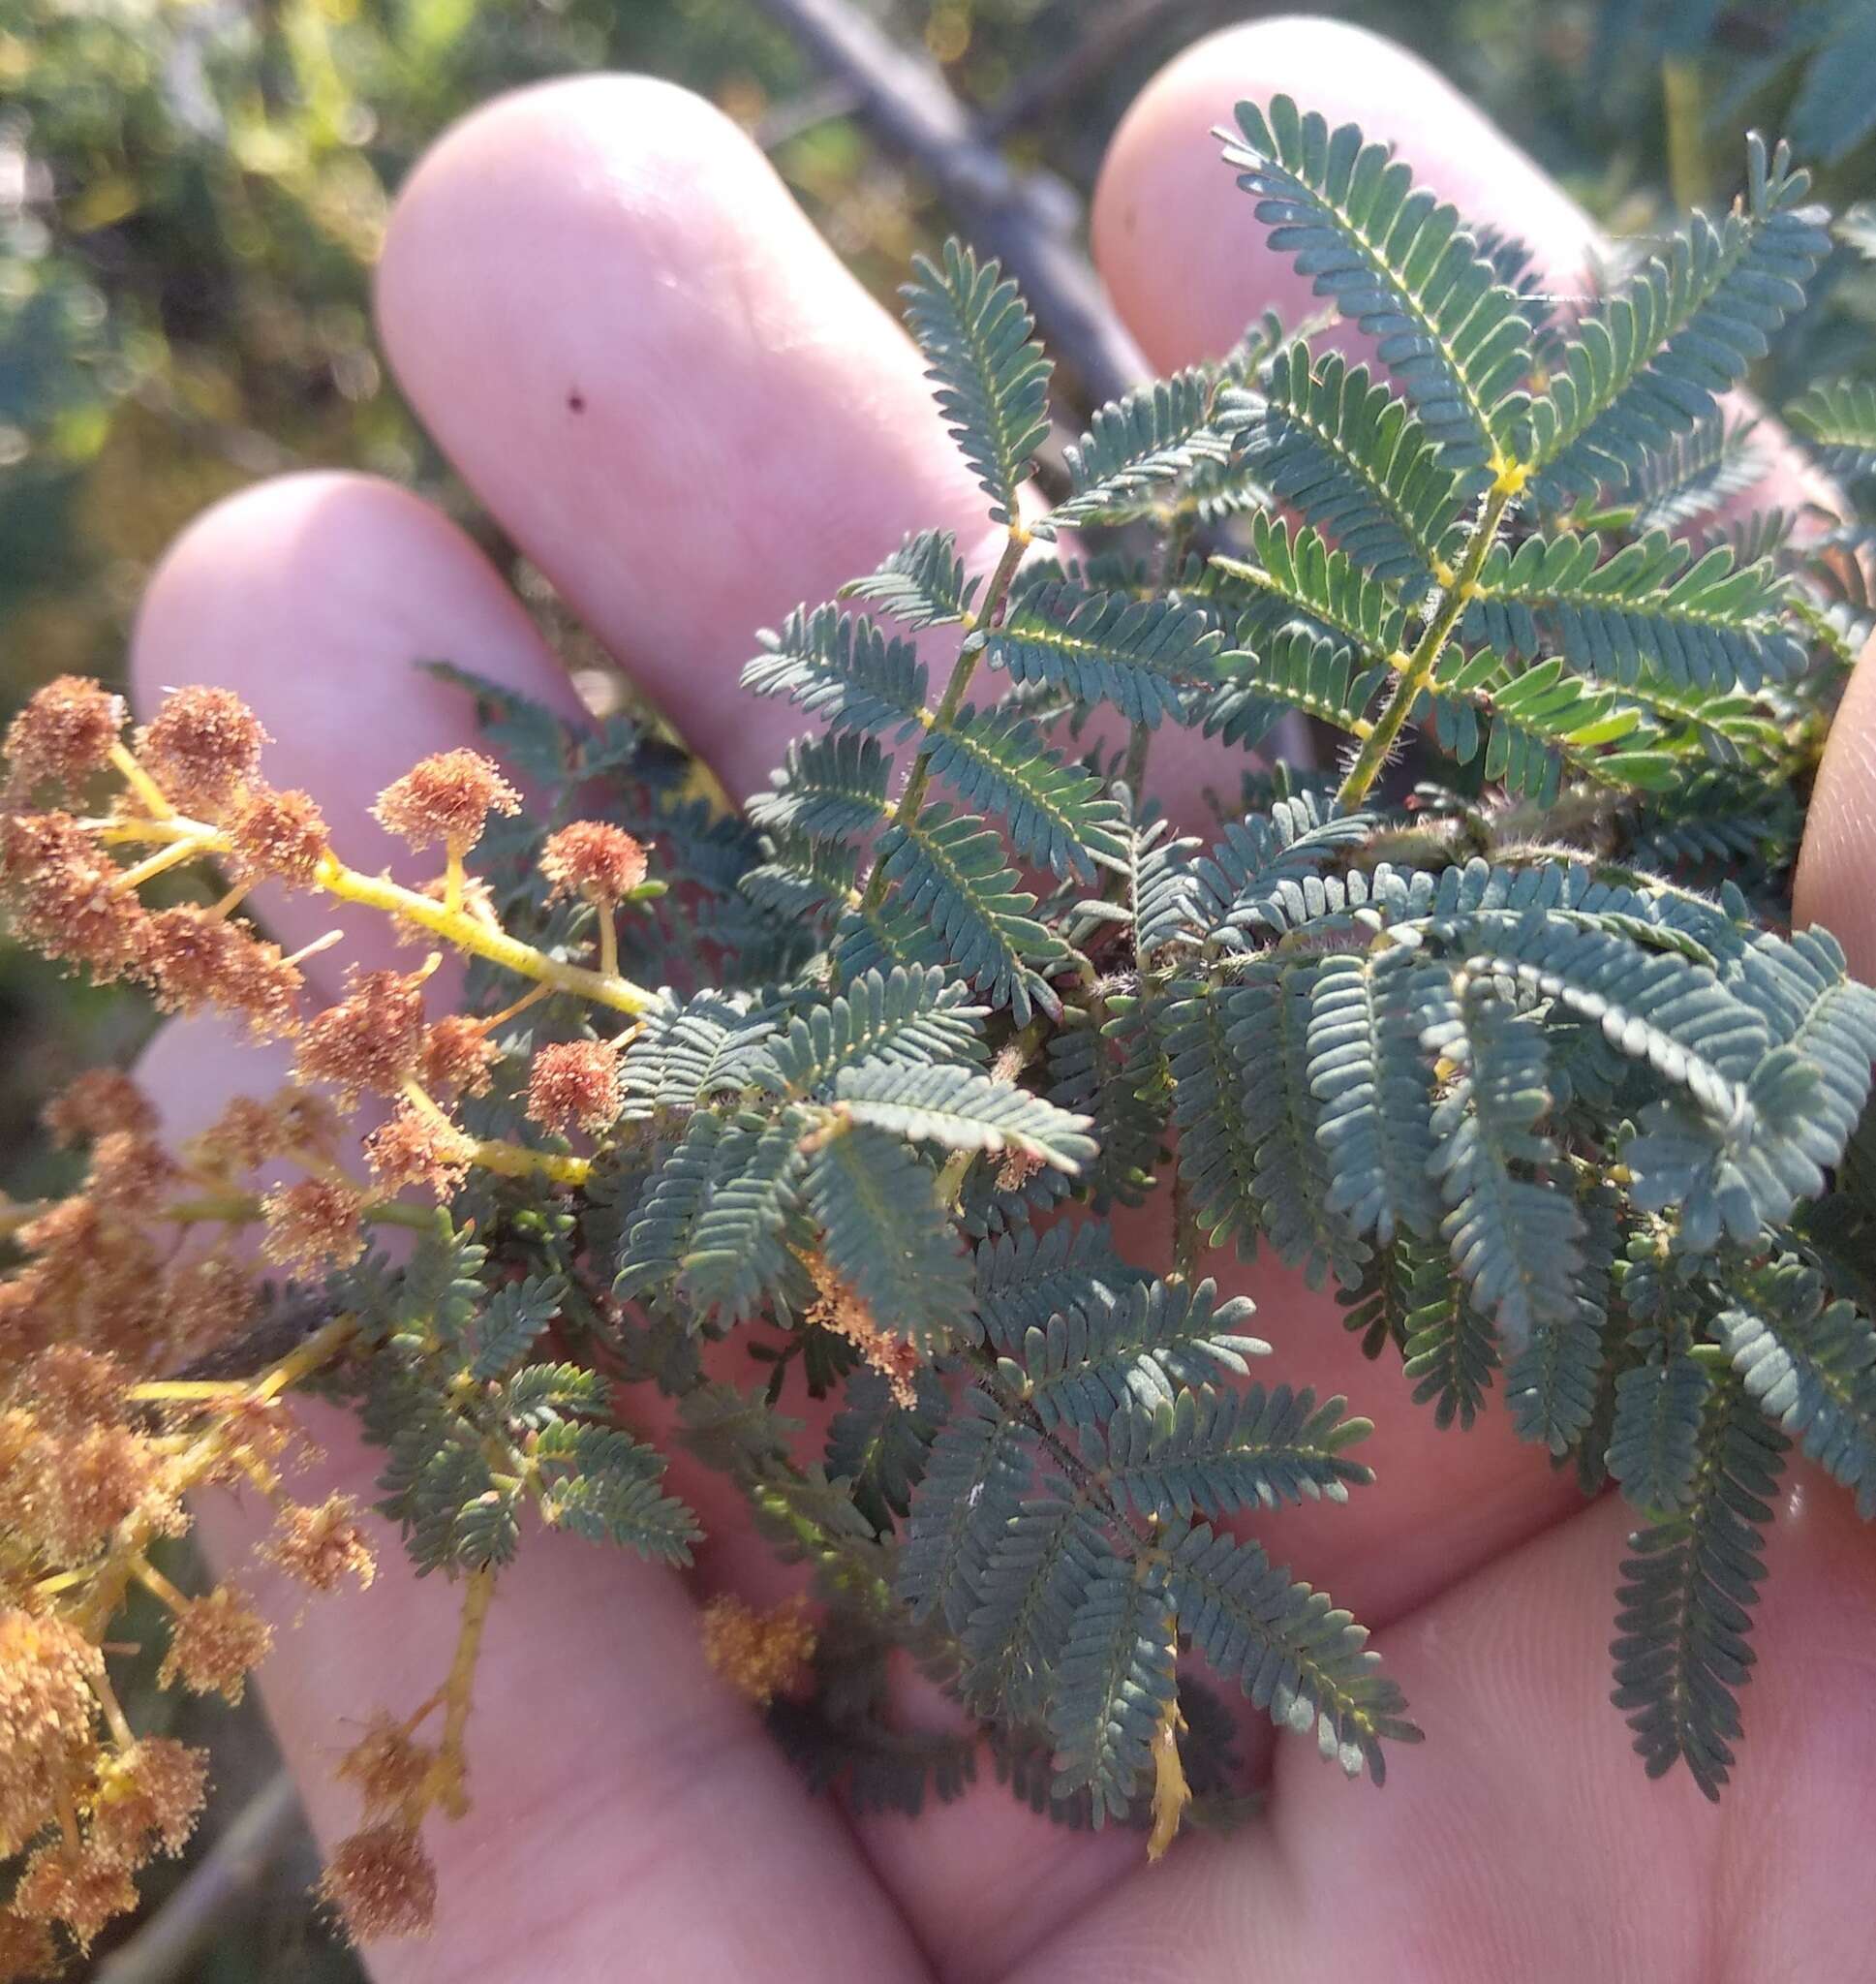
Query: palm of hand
column 661, row 385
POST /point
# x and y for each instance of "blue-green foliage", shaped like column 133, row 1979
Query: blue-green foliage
column 1468, row 1041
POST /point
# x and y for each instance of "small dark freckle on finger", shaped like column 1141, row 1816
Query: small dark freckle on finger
column 576, row 402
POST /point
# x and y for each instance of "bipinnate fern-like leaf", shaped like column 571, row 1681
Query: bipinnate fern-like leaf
column 1139, row 445
column 1398, row 263
column 1106, row 647
column 1067, row 1610
column 1651, row 364
column 843, row 670
column 1297, row 1656
column 991, row 379
column 887, row 1237
column 1651, row 608
column 1654, row 1444
column 1053, row 812
column 1689, row 1589
column 1838, row 419
column 1131, row 1344
column 1113, row 1684
column 950, row 880
column 1810, row 1366
column 962, row 1110
column 1298, row 574
column 922, row 583
column 1499, row 1023
column 1211, row 1452
column 1514, row 1240
column 1348, row 454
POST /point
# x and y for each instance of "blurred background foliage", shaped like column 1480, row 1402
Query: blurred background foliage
column 192, row 193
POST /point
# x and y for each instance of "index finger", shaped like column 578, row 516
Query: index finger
column 1165, row 208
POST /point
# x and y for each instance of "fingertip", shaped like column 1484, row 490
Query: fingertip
column 1833, row 885
column 616, row 321
column 317, row 597
column 1175, row 240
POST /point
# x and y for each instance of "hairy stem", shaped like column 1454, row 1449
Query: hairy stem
column 919, row 779
column 1419, row 668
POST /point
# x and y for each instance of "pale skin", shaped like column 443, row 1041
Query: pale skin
column 750, row 429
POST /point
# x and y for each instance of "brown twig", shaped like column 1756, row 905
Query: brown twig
column 1108, row 37
column 1025, row 220
column 167, row 1943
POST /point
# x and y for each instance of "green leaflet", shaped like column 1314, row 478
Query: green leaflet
column 843, row 670
column 1397, row 263
column 1137, row 446
column 992, row 381
column 1213, row 1452
column 886, row 1234
column 1104, row 647
column 826, row 787
column 1133, row 1349
column 1297, row 1658
column 1350, row 456
column 922, row 583
column 1685, row 1604
column 1651, row 609
column 1515, row 1241
column 910, row 1018
column 1113, row 1685
column 963, row 1110
column 1654, row 1444
column 953, row 888
column 1053, row 813
column 1810, row 1367
column 1299, row 574
column 1648, row 365
column 1838, row 419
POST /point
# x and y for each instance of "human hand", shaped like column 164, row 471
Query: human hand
column 667, row 390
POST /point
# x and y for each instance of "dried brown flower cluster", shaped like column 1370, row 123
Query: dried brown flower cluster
column 203, row 748
column 446, row 799
column 574, row 1085
column 593, row 859
column 149, row 1266
column 383, row 1883
column 214, row 1643
column 63, row 737
column 760, row 1653
column 116, row 1803
column 369, row 1040
column 839, row 1308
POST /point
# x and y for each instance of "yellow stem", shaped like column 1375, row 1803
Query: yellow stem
column 152, row 1580
column 1418, row 670
column 493, row 1154
column 444, row 1783
column 141, row 782
column 121, row 1732
column 313, row 949
column 531, row 997
column 158, row 863
column 379, row 892
column 456, row 926
column 159, row 1389
column 452, row 881
column 233, row 900
column 608, row 941
column 517, row 1161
